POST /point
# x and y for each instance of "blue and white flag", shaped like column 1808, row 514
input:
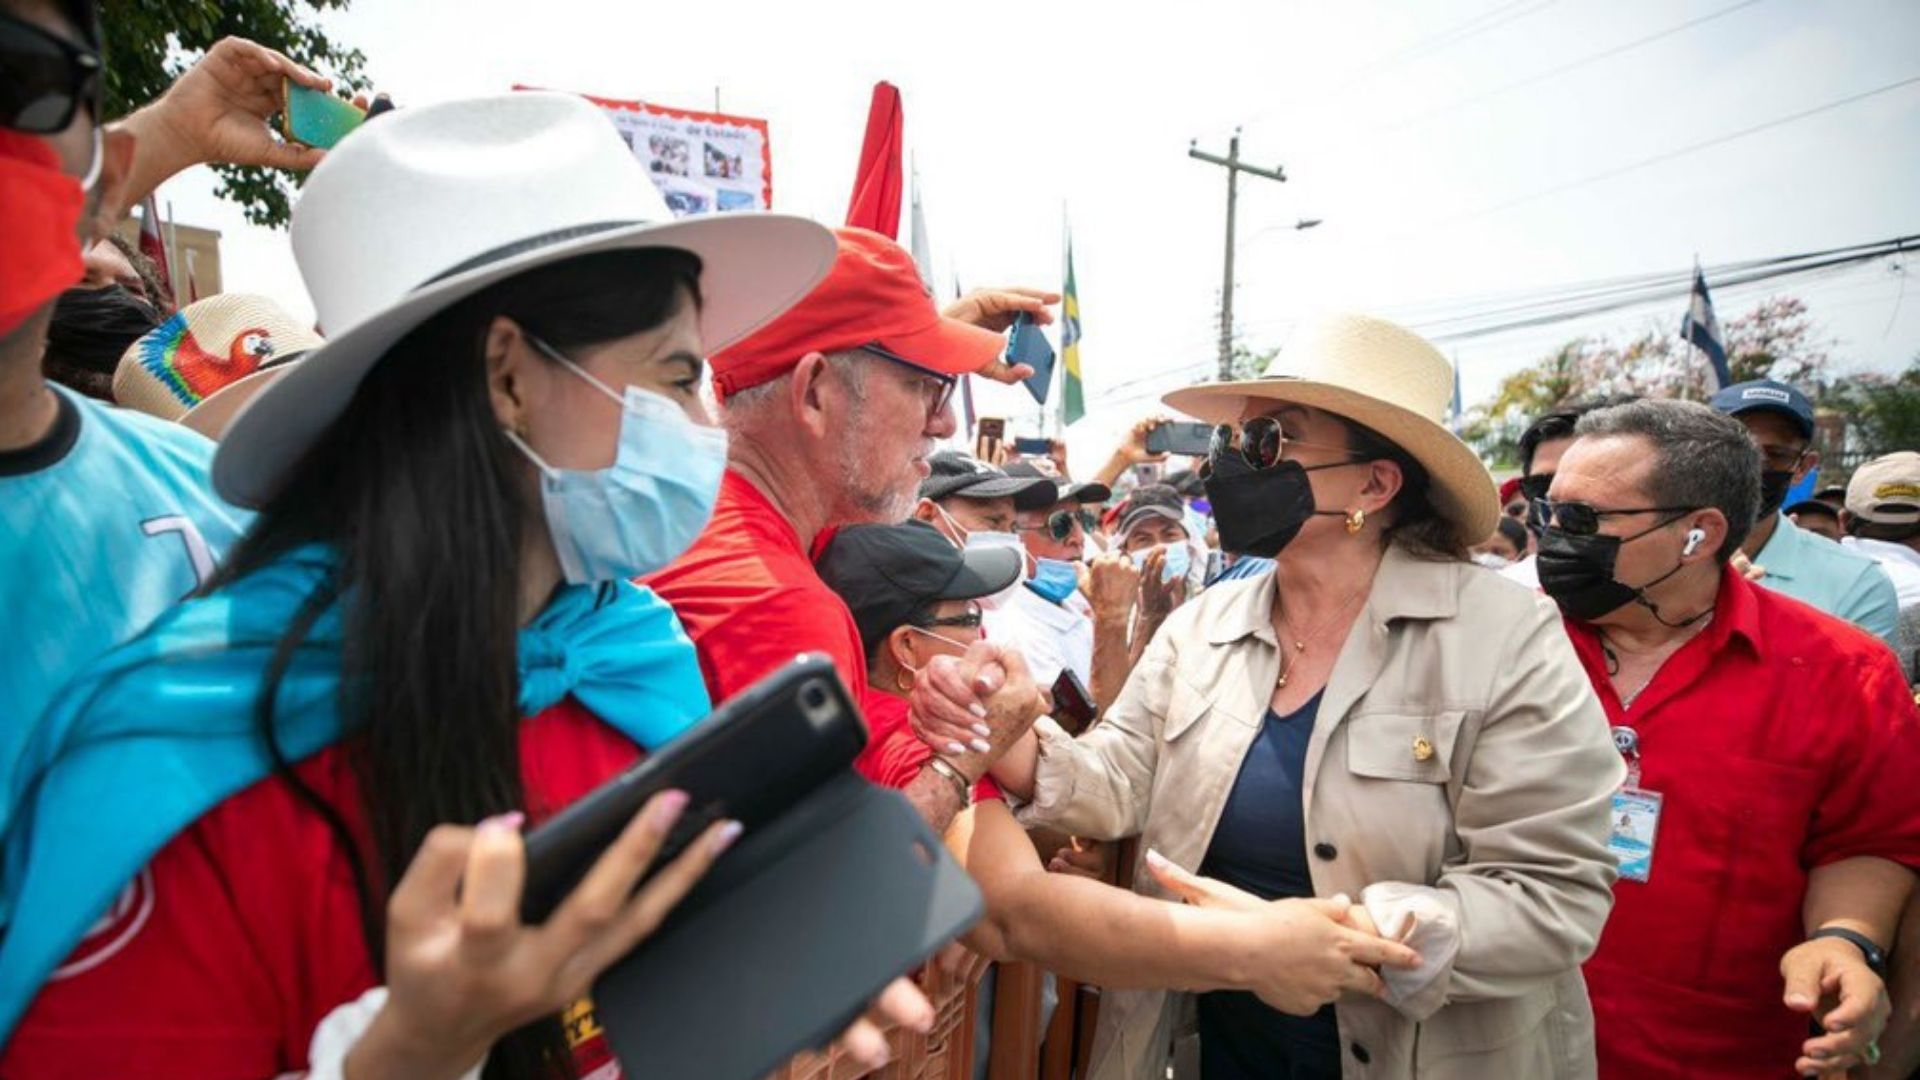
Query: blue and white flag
column 1703, row 330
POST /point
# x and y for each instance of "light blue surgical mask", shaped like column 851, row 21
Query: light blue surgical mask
column 1054, row 580
column 638, row 514
column 1179, row 560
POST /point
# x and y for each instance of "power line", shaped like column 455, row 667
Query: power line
column 1685, row 150
column 1531, row 80
column 1492, row 19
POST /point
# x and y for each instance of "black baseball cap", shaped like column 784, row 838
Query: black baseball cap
column 1767, row 395
column 885, row 573
column 1150, row 501
column 1064, row 492
column 965, row 476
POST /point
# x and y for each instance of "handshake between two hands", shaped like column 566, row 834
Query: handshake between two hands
column 1296, row 955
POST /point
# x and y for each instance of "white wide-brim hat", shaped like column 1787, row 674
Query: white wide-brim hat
column 425, row 206
column 1378, row 374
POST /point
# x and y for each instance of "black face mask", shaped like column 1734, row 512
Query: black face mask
column 90, row 330
column 1773, row 490
column 1259, row 512
column 1577, row 572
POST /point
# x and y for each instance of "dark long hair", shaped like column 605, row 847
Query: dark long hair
column 423, row 500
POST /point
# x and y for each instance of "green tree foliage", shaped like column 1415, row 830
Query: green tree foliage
column 1778, row 339
column 149, row 43
column 1883, row 412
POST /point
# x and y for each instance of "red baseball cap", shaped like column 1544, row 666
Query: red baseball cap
column 873, row 296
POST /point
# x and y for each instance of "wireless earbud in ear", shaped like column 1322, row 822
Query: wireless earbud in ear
column 1695, row 537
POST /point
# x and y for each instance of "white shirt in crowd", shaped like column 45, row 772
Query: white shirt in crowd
column 1901, row 563
column 1049, row 636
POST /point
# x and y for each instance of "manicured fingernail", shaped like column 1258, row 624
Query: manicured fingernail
column 1798, row 1001
column 955, row 748
column 1157, row 860
column 978, row 710
column 983, row 731
column 982, row 746
column 728, row 833
column 507, row 822
column 667, row 807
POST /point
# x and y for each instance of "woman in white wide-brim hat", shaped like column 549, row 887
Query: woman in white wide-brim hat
column 1375, row 717
column 429, row 625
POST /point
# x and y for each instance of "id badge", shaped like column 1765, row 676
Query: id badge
column 1635, row 823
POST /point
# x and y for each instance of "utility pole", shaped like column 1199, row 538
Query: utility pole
column 1234, row 167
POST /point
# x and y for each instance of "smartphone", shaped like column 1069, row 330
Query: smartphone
column 989, row 433
column 749, row 760
column 1073, row 707
column 1027, row 345
column 1181, row 437
column 1033, row 447
column 314, row 117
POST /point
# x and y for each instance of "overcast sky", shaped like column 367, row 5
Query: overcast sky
column 1390, row 119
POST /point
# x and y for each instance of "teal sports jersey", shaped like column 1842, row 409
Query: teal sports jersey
column 105, row 523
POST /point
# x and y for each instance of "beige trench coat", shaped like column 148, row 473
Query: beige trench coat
column 1503, row 823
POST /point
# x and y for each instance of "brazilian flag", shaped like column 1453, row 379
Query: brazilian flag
column 1073, row 399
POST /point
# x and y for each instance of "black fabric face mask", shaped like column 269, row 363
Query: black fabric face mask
column 90, row 330
column 1577, row 572
column 1259, row 512
column 1773, row 490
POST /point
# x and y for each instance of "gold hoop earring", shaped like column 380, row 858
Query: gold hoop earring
column 897, row 681
column 1356, row 521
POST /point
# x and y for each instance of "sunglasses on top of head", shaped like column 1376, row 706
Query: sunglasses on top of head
column 44, row 79
column 1263, row 444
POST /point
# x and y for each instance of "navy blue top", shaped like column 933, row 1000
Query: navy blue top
column 1260, row 845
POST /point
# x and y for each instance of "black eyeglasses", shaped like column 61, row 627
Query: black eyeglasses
column 44, row 79
column 935, row 387
column 1580, row 519
column 969, row 621
column 1262, row 443
column 1535, row 489
column 1060, row 523
column 1782, row 458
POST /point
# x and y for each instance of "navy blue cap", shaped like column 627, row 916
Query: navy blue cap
column 1769, row 395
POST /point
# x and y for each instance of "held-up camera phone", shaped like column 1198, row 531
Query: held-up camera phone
column 1183, row 437
column 1027, row 345
column 749, row 760
column 1073, row 707
column 314, row 117
column 989, row 433
column 1033, row 447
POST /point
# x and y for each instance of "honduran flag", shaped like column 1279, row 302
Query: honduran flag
column 1703, row 330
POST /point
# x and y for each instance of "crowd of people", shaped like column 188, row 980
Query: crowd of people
column 1322, row 754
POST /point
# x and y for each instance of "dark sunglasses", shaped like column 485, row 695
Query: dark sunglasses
column 935, row 387
column 1535, row 489
column 1060, row 523
column 44, row 79
column 1261, row 443
column 1580, row 519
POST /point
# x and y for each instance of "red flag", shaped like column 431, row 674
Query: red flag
column 877, row 186
column 150, row 243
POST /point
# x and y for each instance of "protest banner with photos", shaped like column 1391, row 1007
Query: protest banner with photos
column 703, row 162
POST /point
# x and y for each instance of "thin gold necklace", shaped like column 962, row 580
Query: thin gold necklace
column 1300, row 643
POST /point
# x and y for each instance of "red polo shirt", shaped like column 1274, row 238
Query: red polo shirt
column 1780, row 739
column 750, row 598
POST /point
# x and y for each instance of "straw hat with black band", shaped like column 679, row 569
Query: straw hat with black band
column 1382, row 376
column 465, row 194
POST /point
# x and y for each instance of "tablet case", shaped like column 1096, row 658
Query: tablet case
column 787, row 939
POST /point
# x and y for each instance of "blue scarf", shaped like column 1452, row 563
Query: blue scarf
column 160, row 730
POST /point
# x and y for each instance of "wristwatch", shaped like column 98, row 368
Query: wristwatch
column 1876, row 957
